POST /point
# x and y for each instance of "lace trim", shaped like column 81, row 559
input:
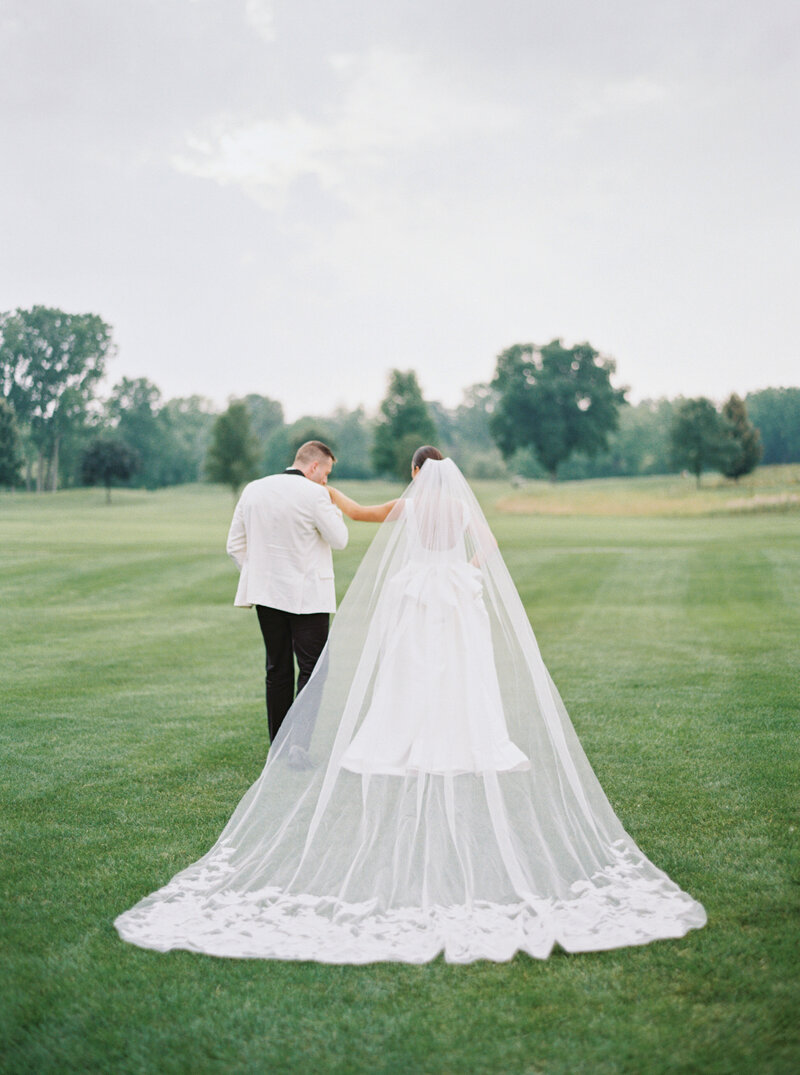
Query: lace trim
column 610, row 911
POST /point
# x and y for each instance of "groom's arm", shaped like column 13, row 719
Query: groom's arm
column 328, row 520
column 237, row 537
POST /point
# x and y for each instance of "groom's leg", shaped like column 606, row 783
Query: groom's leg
column 276, row 630
column 309, row 635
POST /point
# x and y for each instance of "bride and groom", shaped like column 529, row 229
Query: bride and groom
column 424, row 791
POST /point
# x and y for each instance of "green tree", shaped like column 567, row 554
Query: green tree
column 699, row 437
column 171, row 439
column 347, row 433
column 405, row 447
column 473, row 414
column 352, row 434
column 187, row 422
column 50, row 365
column 446, row 437
column 266, row 416
column 554, row 400
column 309, row 428
column 232, row 457
column 404, row 419
column 133, row 410
column 746, row 448
column 283, row 442
column 639, row 445
column 107, row 460
column 10, row 446
column 645, row 444
column 470, row 439
column 775, row 412
column 278, row 452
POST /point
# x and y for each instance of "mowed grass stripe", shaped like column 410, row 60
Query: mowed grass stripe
column 110, row 576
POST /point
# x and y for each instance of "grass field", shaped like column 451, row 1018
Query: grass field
column 132, row 722
column 766, row 489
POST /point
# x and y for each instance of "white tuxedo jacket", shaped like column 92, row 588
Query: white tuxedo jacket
column 281, row 536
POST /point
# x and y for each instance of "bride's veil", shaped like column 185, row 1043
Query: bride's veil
column 447, row 804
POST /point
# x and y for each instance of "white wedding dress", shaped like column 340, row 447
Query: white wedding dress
column 450, row 807
column 436, row 706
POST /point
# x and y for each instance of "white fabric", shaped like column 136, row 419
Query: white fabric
column 280, row 538
column 450, row 807
column 431, row 613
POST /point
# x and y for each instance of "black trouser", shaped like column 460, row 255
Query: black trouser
column 288, row 635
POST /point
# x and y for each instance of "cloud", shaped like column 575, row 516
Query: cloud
column 390, row 107
column 620, row 98
column 258, row 15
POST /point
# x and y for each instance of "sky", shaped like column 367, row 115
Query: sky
column 293, row 197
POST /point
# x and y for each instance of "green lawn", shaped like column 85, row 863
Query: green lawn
column 132, row 722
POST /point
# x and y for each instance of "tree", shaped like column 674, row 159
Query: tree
column 775, row 412
column 170, row 438
column 699, row 437
column 554, row 400
column 266, row 416
column 278, row 453
column 308, row 428
column 645, row 436
column 471, row 442
column 472, row 417
column 133, row 410
column 347, row 433
column 10, row 448
column 352, row 434
column 463, row 433
column 108, row 459
column 232, row 457
column 639, row 445
column 283, row 442
column 404, row 419
column 187, row 423
column 50, row 363
column 747, row 449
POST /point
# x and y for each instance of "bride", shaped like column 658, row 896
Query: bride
column 449, row 806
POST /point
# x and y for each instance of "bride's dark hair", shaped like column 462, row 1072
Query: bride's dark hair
column 427, row 451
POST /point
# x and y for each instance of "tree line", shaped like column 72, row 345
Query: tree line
column 549, row 411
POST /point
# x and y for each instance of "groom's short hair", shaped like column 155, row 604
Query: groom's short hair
column 311, row 451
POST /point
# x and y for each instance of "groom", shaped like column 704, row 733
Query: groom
column 281, row 537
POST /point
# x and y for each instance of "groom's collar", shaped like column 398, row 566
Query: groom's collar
column 294, row 470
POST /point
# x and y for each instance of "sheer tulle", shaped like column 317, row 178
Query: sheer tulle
column 449, row 806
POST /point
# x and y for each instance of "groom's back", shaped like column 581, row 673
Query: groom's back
column 281, row 506
column 280, row 513
column 290, row 526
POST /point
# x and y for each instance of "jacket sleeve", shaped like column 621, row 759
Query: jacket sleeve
column 328, row 520
column 237, row 537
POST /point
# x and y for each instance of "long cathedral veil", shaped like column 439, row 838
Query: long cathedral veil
column 448, row 806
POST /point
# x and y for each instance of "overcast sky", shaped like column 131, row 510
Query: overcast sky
column 291, row 197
